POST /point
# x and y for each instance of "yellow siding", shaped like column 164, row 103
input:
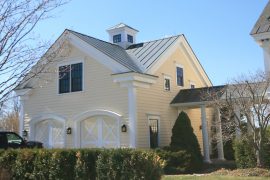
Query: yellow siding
column 156, row 101
column 100, row 92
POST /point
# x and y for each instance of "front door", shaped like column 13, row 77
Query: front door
column 99, row 131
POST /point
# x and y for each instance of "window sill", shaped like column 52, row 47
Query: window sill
column 70, row 93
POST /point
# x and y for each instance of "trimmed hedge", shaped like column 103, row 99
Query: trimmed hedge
column 81, row 164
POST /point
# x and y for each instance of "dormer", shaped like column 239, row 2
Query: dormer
column 122, row 35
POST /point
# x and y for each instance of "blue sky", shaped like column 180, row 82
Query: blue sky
column 218, row 31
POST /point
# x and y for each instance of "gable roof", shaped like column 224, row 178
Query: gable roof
column 139, row 57
column 148, row 52
column 196, row 94
column 263, row 23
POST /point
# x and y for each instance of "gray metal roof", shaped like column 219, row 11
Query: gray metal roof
column 112, row 50
column 148, row 52
column 136, row 55
column 263, row 23
column 197, row 94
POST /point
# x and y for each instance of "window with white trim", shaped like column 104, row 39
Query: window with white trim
column 180, row 76
column 167, row 83
column 70, row 78
column 154, row 131
column 117, row 38
column 130, row 38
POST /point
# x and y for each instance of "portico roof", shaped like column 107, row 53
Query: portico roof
column 197, row 96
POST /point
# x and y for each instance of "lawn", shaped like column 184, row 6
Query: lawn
column 191, row 177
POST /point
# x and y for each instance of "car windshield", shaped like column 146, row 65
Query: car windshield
column 13, row 138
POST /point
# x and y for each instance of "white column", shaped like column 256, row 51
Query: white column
column 265, row 44
column 205, row 135
column 237, row 119
column 219, row 136
column 132, row 110
column 21, row 116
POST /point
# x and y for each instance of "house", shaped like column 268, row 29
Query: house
column 115, row 94
column 261, row 34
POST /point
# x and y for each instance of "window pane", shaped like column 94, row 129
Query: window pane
column 167, row 84
column 130, row 38
column 64, row 78
column 117, row 38
column 153, row 128
column 76, row 77
column 180, row 76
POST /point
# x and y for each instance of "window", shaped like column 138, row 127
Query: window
column 70, row 78
column 130, row 38
column 180, row 76
column 14, row 139
column 117, row 38
column 192, row 86
column 153, row 131
column 167, row 83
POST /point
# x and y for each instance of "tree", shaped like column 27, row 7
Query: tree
column 183, row 136
column 9, row 120
column 19, row 49
column 247, row 110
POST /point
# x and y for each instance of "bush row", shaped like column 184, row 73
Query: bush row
column 82, row 164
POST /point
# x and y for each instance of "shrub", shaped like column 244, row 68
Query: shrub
column 81, row 164
column 176, row 162
column 85, row 167
column 62, row 164
column 128, row 164
column 244, row 154
column 183, row 138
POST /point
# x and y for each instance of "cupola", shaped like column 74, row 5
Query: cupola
column 122, row 35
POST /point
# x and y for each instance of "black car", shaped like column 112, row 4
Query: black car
column 13, row 140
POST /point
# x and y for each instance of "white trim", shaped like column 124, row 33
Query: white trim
column 180, row 66
column 132, row 111
column 148, row 120
column 82, row 116
column 134, row 79
column 164, row 83
column 67, row 62
column 48, row 116
column 23, row 95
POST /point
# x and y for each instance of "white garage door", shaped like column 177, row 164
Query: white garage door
column 50, row 133
column 100, row 131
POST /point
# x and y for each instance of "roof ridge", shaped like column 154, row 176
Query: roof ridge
column 95, row 38
column 160, row 39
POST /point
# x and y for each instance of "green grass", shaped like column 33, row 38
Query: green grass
column 191, row 177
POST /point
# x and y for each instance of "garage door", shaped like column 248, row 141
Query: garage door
column 50, row 133
column 99, row 131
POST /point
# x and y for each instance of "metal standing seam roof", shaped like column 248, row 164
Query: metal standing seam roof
column 263, row 23
column 197, row 94
column 114, row 51
column 144, row 54
column 148, row 52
